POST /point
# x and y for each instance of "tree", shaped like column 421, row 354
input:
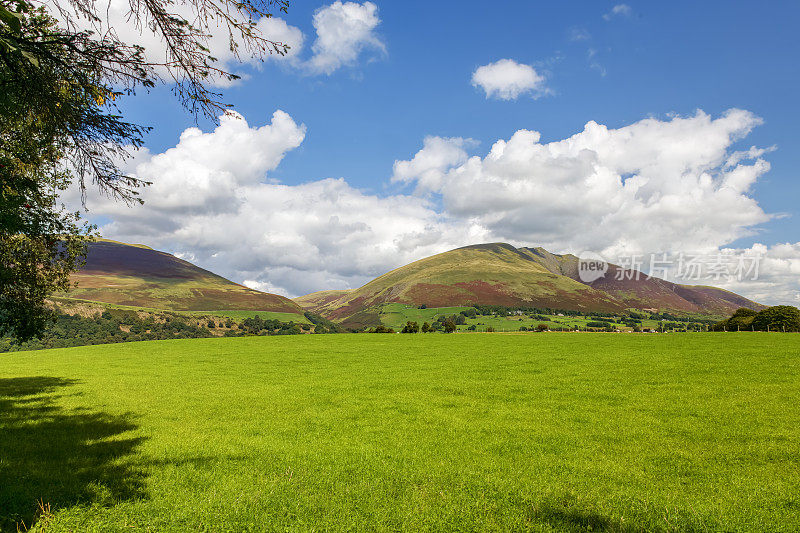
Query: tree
column 778, row 318
column 469, row 313
column 59, row 123
column 426, row 327
column 188, row 62
column 542, row 327
column 449, row 326
column 410, row 327
column 51, row 108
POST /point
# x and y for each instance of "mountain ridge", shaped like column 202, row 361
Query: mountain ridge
column 502, row 274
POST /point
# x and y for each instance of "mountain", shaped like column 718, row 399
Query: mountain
column 501, row 274
column 134, row 274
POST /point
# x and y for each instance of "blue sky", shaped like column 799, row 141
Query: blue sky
column 666, row 57
column 612, row 66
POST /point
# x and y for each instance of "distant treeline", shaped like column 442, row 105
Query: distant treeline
column 121, row 325
column 105, row 328
column 488, row 310
column 781, row 318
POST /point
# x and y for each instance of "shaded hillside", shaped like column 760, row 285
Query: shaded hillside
column 500, row 274
column 136, row 275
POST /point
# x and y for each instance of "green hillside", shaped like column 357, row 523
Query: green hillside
column 496, row 274
column 500, row 274
column 136, row 275
column 538, row 432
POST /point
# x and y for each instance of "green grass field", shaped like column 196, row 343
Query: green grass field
column 559, row 432
column 395, row 315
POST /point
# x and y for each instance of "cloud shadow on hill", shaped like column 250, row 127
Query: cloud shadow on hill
column 60, row 457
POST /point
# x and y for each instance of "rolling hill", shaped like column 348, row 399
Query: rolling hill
column 501, row 274
column 137, row 275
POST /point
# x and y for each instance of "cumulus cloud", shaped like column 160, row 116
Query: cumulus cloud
column 428, row 166
column 344, row 31
column 653, row 185
column 212, row 201
column 619, row 10
column 676, row 184
column 508, row 80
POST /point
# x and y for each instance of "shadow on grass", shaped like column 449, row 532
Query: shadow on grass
column 57, row 456
column 566, row 514
column 565, row 518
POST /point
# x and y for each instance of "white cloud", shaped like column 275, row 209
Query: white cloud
column 344, row 30
column 623, row 10
column 508, row 80
column 211, row 201
column 591, row 54
column 427, row 168
column 655, row 185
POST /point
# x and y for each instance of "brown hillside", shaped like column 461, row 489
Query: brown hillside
column 123, row 274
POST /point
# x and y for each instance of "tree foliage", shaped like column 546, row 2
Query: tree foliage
column 60, row 124
column 778, row 318
column 54, row 125
column 410, row 327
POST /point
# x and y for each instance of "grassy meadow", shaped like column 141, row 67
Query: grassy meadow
column 550, row 432
column 395, row 315
column 241, row 314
